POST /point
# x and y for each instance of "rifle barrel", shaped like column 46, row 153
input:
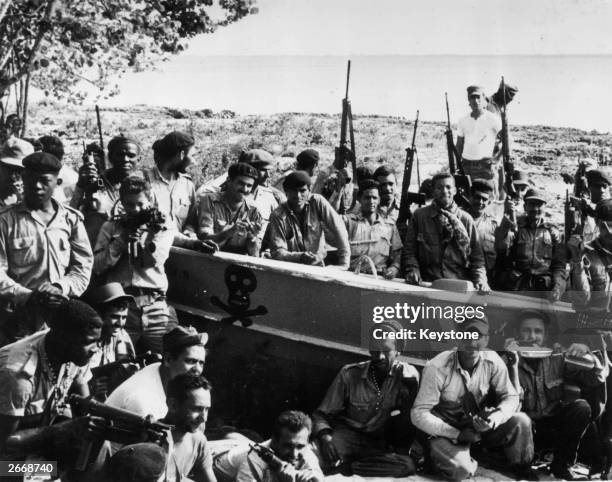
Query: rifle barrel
column 348, row 78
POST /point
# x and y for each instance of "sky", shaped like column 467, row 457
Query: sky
column 409, row 27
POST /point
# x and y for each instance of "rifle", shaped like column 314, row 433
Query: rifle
column 268, row 456
column 576, row 210
column 344, row 155
column 123, row 427
column 140, row 360
column 463, row 183
column 102, row 164
column 508, row 164
column 408, row 197
column 89, row 159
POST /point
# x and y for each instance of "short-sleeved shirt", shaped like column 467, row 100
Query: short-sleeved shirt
column 175, row 198
column 215, row 214
column 108, row 351
column 28, row 383
column 33, row 252
column 479, row 135
column 379, row 240
column 188, row 456
column 142, row 393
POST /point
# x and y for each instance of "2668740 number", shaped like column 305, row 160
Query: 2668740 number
column 8, row 468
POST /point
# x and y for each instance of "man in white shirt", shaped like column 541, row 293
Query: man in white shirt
column 144, row 393
column 476, row 138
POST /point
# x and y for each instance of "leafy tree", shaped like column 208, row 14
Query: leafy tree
column 56, row 44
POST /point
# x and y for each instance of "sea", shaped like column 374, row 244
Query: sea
column 562, row 91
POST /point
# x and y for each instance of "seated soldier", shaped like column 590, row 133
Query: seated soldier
column 144, row 393
column 295, row 232
column 366, row 411
column 289, row 443
column 450, row 408
column 536, row 250
column 132, row 250
column 36, row 374
column 188, row 399
column 372, row 234
column 389, row 202
column 442, row 242
column 229, row 217
column 264, row 162
column 560, row 419
column 111, row 302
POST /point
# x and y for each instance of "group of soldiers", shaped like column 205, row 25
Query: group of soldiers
column 84, row 313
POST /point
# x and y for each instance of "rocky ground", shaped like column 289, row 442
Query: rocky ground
column 544, row 152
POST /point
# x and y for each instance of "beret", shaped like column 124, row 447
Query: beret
column 382, row 171
column 475, row 90
column 142, row 462
column 257, row 158
column 182, row 337
column 297, row 179
column 308, row 158
column 595, row 176
column 173, row 143
column 42, row 162
column 534, row 195
column 14, row 150
column 242, row 169
column 119, row 141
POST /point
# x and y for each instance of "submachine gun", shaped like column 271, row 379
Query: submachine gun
column 408, row 197
column 268, row 456
column 123, row 427
column 463, row 182
column 343, row 154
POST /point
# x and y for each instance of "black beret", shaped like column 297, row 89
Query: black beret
column 367, row 184
column 172, row 143
column 119, row 141
column 142, row 462
column 297, row 179
column 257, row 158
column 308, row 158
column 595, row 176
column 481, row 185
column 42, row 162
column 182, row 337
column 242, row 169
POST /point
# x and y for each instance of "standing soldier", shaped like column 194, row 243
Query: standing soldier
column 45, row 255
column 132, row 250
column 230, row 217
column 599, row 188
column 476, row 138
column 442, row 242
column 98, row 201
column 11, row 156
column 536, row 250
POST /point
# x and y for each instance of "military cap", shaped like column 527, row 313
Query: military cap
column 182, row 337
column 482, row 185
column 142, row 462
column 362, row 173
column 481, row 324
column 257, row 158
column 172, row 143
column 603, row 210
column 367, row 184
column 308, row 158
column 534, row 194
column 595, row 176
column 107, row 293
column 119, row 141
column 14, row 150
column 475, row 90
column 297, row 179
column 519, row 178
column 242, row 169
column 42, row 162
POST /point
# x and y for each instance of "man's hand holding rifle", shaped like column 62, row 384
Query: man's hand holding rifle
column 463, row 182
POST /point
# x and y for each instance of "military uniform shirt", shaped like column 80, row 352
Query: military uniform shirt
column 27, row 382
column 379, row 240
column 353, row 400
column 32, row 252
